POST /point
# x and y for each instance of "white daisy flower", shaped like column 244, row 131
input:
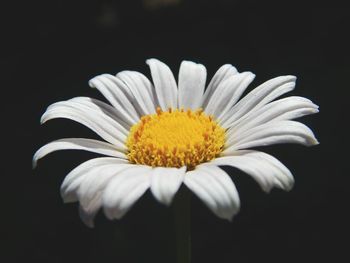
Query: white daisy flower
column 162, row 134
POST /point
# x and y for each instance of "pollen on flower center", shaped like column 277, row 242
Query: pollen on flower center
column 175, row 138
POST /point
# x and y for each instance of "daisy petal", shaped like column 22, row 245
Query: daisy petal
column 228, row 93
column 264, row 168
column 215, row 188
column 95, row 182
column 192, row 79
column 258, row 97
column 118, row 95
column 73, row 180
column 165, row 182
column 91, row 187
column 164, row 83
column 272, row 133
column 223, row 73
column 283, row 109
column 105, row 108
column 78, row 144
column 87, row 215
column 97, row 121
column 124, row 190
column 142, row 90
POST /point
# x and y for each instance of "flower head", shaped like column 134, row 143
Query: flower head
column 158, row 136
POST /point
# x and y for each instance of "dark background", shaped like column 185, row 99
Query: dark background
column 51, row 49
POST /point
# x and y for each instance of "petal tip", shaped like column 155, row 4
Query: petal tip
column 231, row 216
column 289, row 188
column 316, row 110
column 43, row 119
column 291, row 77
column 150, row 60
column 86, row 217
column 67, row 199
column 108, row 214
column 315, row 142
column 164, row 202
column 91, row 83
column 167, row 202
column 312, row 141
column 267, row 188
column 34, row 163
column 35, row 159
column 112, row 212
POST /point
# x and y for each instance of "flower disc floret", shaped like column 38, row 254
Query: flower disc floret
column 175, row 138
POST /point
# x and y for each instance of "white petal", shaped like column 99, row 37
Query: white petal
column 142, row 90
column 164, row 83
column 258, row 97
column 228, row 93
column 124, row 190
column 165, row 182
column 283, row 109
column 215, row 188
column 118, row 95
column 264, row 168
column 87, row 214
column 106, row 109
column 78, row 144
column 271, row 133
column 96, row 181
column 223, row 73
column 73, row 180
column 192, row 79
column 97, row 121
column 91, row 187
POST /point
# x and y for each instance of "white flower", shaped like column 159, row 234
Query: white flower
column 157, row 137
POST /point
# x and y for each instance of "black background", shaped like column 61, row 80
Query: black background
column 51, row 49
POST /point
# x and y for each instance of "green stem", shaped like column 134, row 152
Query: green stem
column 182, row 216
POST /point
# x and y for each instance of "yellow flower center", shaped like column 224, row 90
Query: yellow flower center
column 175, row 138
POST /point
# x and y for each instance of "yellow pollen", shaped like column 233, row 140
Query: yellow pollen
column 175, row 138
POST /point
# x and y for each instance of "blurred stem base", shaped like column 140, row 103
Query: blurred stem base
column 182, row 218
